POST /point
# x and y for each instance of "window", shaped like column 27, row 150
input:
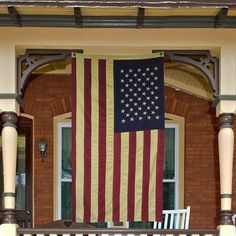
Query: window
column 64, row 171
column 170, row 167
column 173, row 172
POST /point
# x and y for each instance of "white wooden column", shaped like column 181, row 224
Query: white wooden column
column 226, row 148
column 226, row 108
column 9, row 154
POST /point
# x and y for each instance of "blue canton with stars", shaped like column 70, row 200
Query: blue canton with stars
column 139, row 94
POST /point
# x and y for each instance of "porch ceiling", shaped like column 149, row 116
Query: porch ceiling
column 118, row 14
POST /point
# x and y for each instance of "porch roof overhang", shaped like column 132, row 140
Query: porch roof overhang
column 118, row 14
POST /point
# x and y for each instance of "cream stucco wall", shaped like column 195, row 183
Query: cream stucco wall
column 221, row 42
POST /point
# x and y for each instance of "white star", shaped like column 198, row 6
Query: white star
column 152, row 102
column 143, row 93
column 143, row 74
column 131, row 118
column 147, row 78
column 157, row 117
column 143, row 83
column 156, row 68
column 122, row 90
column 144, row 103
column 139, row 89
column 155, row 78
column 145, row 113
column 152, row 73
column 135, row 104
column 127, row 105
column 126, row 85
column 136, row 113
column 153, row 112
column 147, row 69
column 135, row 84
column 148, row 108
column 126, row 75
column 139, row 98
column 135, row 75
column 127, row 115
column 122, row 101
column 152, row 92
column 131, row 99
column 156, row 87
column 122, row 111
column 156, row 107
column 130, row 89
column 130, row 80
column 139, row 108
column 149, row 117
column 126, row 95
column 139, row 79
column 123, row 121
column 131, row 109
column 122, row 71
column 140, row 118
column 148, row 98
column 139, row 70
column 135, row 94
column 122, row 80
column 152, row 83
column 156, row 97
column 130, row 70
column 148, row 88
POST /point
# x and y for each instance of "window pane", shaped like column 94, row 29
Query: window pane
column 66, row 193
column 20, row 173
column 66, row 153
column 169, row 160
column 168, row 196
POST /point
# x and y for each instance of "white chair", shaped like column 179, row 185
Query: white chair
column 174, row 219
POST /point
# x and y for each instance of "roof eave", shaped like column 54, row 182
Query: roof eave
column 120, row 3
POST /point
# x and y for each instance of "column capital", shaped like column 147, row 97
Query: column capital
column 226, row 120
column 9, row 119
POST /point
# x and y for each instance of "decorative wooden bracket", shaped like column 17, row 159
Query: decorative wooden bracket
column 35, row 58
column 15, row 16
column 78, row 17
column 140, row 17
column 200, row 59
column 221, row 17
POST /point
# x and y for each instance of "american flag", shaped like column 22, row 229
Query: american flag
column 118, row 138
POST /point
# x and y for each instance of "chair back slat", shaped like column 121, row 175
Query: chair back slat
column 171, row 221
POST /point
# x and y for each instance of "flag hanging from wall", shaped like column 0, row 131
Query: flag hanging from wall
column 118, row 138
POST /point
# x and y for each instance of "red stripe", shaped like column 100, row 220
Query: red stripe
column 102, row 141
column 146, row 173
column 87, row 140
column 116, row 177
column 131, row 175
column 73, row 88
column 159, row 167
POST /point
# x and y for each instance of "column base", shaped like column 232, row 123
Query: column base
column 226, row 217
column 9, row 216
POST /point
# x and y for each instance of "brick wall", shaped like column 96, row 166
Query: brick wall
column 49, row 95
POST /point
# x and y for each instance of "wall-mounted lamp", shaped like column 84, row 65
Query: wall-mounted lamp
column 42, row 149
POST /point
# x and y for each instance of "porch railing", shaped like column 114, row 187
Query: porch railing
column 115, row 232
